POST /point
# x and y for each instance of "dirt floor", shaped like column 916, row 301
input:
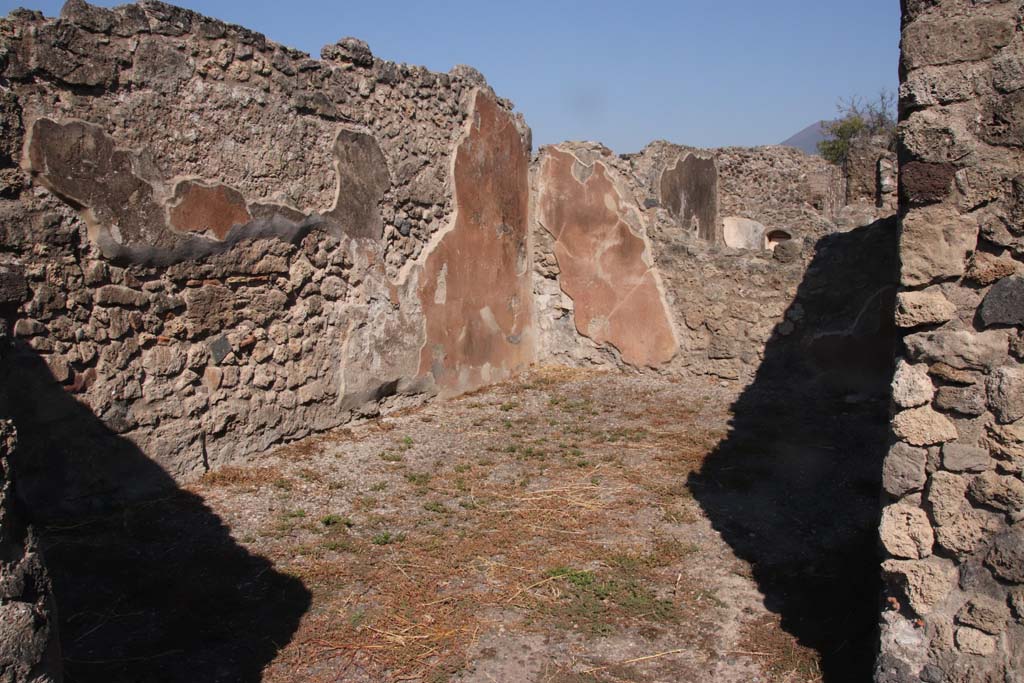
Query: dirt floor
column 568, row 527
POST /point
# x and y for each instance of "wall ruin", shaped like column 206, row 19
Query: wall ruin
column 29, row 646
column 603, row 258
column 604, row 230
column 209, row 290
column 227, row 244
column 208, row 293
column 475, row 291
column 952, row 524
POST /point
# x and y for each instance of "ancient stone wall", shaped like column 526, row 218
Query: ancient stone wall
column 215, row 244
column 29, row 647
column 953, row 522
column 870, row 173
column 779, row 187
column 634, row 267
column 596, row 265
column 229, row 244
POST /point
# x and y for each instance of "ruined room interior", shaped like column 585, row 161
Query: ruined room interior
column 316, row 369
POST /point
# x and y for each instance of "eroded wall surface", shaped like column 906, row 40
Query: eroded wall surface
column 475, row 288
column 870, row 172
column 689, row 190
column 229, row 244
column 780, row 187
column 603, row 258
column 953, row 522
column 637, row 267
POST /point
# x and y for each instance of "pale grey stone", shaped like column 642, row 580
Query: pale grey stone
column 906, row 532
column 911, row 385
column 904, row 470
column 1005, row 388
column 934, row 244
column 923, row 427
column 960, row 349
column 927, row 307
column 962, row 458
column 925, row 583
column 974, row 642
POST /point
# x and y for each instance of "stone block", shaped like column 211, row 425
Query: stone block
column 960, row 349
column 1004, row 303
column 163, row 361
column 903, row 471
column 936, row 40
column 971, row 641
column 935, row 242
column 925, row 183
column 962, row 458
column 984, row 614
column 1002, row 492
column 946, row 496
column 923, row 427
column 926, row 583
column 13, row 285
column 1005, row 391
column 117, row 295
column 906, row 532
column 968, row 401
column 911, row 386
column 928, row 307
column 968, row 531
column 1006, row 557
column 985, row 269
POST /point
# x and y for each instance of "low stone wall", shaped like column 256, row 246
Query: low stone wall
column 871, row 174
column 953, row 523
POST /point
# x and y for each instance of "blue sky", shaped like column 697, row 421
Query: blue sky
column 738, row 72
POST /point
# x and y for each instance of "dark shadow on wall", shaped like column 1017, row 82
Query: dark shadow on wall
column 152, row 590
column 795, row 486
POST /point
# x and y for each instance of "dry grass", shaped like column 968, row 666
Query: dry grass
column 784, row 659
column 420, row 599
column 241, row 477
column 535, row 516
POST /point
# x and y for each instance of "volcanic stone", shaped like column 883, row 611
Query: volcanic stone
column 1004, row 303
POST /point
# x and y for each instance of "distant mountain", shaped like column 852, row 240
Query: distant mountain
column 807, row 140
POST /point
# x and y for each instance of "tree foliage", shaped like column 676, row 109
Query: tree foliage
column 859, row 120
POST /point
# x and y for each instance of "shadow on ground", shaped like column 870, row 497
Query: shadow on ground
column 794, row 487
column 151, row 590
